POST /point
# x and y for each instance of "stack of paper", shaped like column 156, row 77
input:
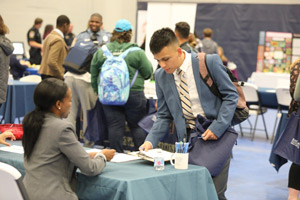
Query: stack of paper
column 151, row 154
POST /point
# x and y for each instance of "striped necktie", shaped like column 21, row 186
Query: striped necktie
column 185, row 100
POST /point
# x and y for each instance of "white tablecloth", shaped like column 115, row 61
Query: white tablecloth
column 270, row 79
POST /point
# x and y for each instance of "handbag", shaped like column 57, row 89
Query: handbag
column 288, row 145
column 16, row 129
column 211, row 154
column 275, row 160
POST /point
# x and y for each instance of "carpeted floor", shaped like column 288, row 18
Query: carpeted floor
column 251, row 177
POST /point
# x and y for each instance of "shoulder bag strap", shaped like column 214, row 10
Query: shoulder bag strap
column 205, row 75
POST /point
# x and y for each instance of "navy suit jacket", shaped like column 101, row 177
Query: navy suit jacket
column 169, row 105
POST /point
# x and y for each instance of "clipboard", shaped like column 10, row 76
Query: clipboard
column 151, row 154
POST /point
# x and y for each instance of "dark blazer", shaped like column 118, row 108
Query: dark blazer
column 169, row 104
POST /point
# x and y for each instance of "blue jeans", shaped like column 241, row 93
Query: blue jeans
column 132, row 112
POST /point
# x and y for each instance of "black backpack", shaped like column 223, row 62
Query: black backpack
column 241, row 112
column 80, row 57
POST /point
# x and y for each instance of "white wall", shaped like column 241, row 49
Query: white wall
column 19, row 15
column 228, row 1
column 161, row 15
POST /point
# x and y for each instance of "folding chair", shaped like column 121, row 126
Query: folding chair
column 255, row 108
column 11, row 184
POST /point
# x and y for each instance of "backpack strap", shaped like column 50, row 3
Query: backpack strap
column 133, row 80
column 124, row 54
column 106, row 51
column 205, row 75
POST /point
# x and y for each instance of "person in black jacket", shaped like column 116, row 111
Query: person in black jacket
column 35, row 42
column 16, row 68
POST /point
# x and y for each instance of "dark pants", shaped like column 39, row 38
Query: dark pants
column 220, row 181
column 294, row 174
column 44, row 76
column 132, row 112
column 35, row 56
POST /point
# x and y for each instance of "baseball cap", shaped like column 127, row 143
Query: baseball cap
column 123, row 25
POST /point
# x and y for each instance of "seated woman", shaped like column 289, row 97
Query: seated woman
column 51, row 149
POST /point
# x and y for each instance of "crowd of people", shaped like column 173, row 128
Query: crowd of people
column 52, row 150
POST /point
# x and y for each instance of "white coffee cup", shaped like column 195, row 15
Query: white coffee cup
column 181, row 160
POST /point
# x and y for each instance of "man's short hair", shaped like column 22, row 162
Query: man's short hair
column 183, row 29
column 38, row 21
column 61, row 20
column 207, row 32
column 162, row 38
column 97, row 15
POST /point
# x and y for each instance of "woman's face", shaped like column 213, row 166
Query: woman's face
column 65, row 104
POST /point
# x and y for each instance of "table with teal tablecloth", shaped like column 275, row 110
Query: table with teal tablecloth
column 19, row 101
column 137, row 180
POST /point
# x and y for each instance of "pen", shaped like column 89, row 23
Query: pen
column 186, row 146
column 177, row 147
column 180, row 147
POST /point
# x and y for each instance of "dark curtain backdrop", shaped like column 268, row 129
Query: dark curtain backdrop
column 236, row 28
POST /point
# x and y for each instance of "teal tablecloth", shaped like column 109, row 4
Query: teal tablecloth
column 137, row 180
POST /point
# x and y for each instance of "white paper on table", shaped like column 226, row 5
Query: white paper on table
column 123, row 157
column 118, row 157
column 13, row 149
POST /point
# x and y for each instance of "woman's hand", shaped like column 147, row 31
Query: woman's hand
column 109, row 153
column 5, row 135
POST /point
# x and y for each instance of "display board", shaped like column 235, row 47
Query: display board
column 295, row 47
column 274, row 52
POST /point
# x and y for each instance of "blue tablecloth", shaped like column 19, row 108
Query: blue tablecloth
column 31, row 71
column 19, row 100
column 137, row 180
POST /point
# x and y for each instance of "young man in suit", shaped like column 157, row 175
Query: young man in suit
column 183, row 107
column 55, row 50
